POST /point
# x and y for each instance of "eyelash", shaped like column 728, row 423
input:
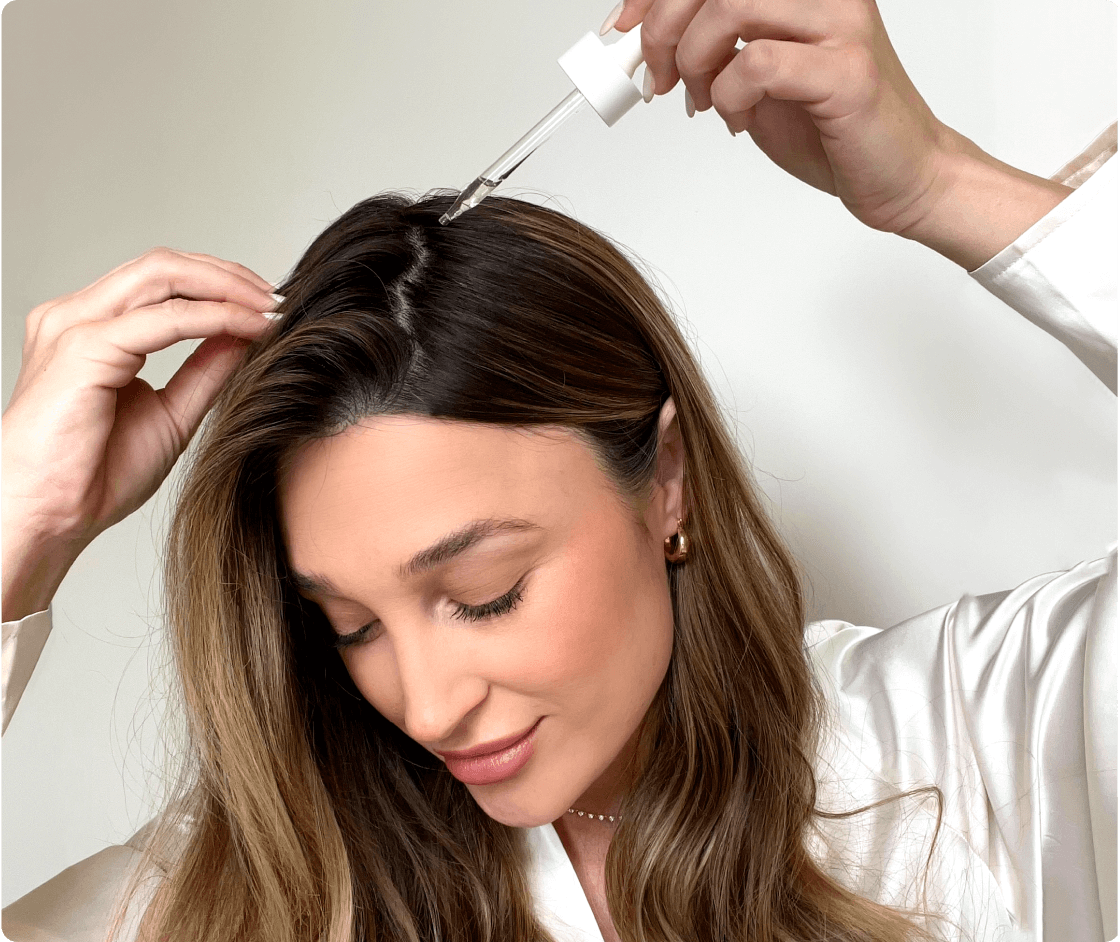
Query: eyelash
column 493, row 609
column 499, row 606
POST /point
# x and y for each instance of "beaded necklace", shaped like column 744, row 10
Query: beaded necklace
column 602, row 817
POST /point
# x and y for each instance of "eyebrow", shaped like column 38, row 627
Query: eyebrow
column 440, row 552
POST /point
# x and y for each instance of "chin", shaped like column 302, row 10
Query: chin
column 516, row 811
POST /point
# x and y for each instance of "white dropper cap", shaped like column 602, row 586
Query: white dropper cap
column 605, row 74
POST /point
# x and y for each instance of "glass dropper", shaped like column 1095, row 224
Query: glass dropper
column 484, row 184
column 603, row 75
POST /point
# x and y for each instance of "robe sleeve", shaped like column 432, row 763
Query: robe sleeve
column 23, row 642
column 80, row 903
column 1007, row 701
column 1061, row 273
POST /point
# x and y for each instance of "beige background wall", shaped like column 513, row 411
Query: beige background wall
column 918, row 440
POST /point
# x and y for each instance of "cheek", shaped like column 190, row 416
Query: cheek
column 596, row 633
column 608, row 627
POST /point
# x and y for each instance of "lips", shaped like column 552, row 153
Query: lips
column 494, row 761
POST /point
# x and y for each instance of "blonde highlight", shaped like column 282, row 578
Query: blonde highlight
column 307, row 816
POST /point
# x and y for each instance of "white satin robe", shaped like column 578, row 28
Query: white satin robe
column 1005, row 701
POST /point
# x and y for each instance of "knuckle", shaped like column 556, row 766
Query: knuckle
column 733, row 10
column 159, row 253
column 36, row 317
column 239, row 271
column 177, row 307
column 154, row 260
column 73, row 338
column 45, row 320
column 656, row 32
column 761, row 61
column 862, row 69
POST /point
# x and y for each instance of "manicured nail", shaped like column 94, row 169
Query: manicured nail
column 608, row 23
column 729, row 131
column 271, row 315
column 689, row 104
column 647, row 86
column 279, row 298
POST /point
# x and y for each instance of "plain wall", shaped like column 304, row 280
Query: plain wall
column 918, row 439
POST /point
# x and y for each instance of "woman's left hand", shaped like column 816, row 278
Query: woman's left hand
column 819, row 88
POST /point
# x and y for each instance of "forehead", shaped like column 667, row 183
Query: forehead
column 410, row 480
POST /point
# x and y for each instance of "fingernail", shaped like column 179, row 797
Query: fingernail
column 729, row 131
column 689, row 104
column 608, row 23
column 279, row 298
column 647, row 86
column 271, row 315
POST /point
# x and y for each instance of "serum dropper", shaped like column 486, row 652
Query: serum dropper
column 603, row 77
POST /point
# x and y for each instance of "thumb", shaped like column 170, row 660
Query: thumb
column 189, row 394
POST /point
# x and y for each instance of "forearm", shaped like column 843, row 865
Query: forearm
column 33, row 570
column 979, row 205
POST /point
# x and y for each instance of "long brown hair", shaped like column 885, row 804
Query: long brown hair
column 309, row 816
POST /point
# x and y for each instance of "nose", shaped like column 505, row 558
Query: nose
column 439, row 686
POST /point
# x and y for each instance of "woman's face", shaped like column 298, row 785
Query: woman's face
column 491, row 587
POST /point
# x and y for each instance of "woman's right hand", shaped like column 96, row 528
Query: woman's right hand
column 821, row 91
column 85, row 441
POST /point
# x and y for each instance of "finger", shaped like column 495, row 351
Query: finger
column 662, row 28
column 151, row 279
column 233, row 267
column 247, row 273
column 164, row 273
column 788, row 136
column 830, row 82
column 189, row 394
column 710, row 38
column 632, row 13
column 157, row 326
column 112, row 353
column 732, row 52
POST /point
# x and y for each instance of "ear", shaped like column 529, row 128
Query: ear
column 666, row 503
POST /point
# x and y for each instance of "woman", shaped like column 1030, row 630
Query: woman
column 471, row 492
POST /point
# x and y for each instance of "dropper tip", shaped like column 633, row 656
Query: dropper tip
column 456, row 210
column 474, row 194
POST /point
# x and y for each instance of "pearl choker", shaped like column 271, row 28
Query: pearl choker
column 602, row 817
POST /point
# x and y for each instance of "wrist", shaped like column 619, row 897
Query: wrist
column 977, row 205
column 33, row 569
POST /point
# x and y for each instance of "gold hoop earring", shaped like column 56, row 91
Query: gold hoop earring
column 676, row 546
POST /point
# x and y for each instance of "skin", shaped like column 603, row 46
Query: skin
column 584, row 650
column 817, row 87
column 587, row 646
column 86, row 443
column 821, row 91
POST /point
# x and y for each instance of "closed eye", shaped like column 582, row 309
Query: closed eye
column 353, row 637
column 499, row 606
column 502, row 605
